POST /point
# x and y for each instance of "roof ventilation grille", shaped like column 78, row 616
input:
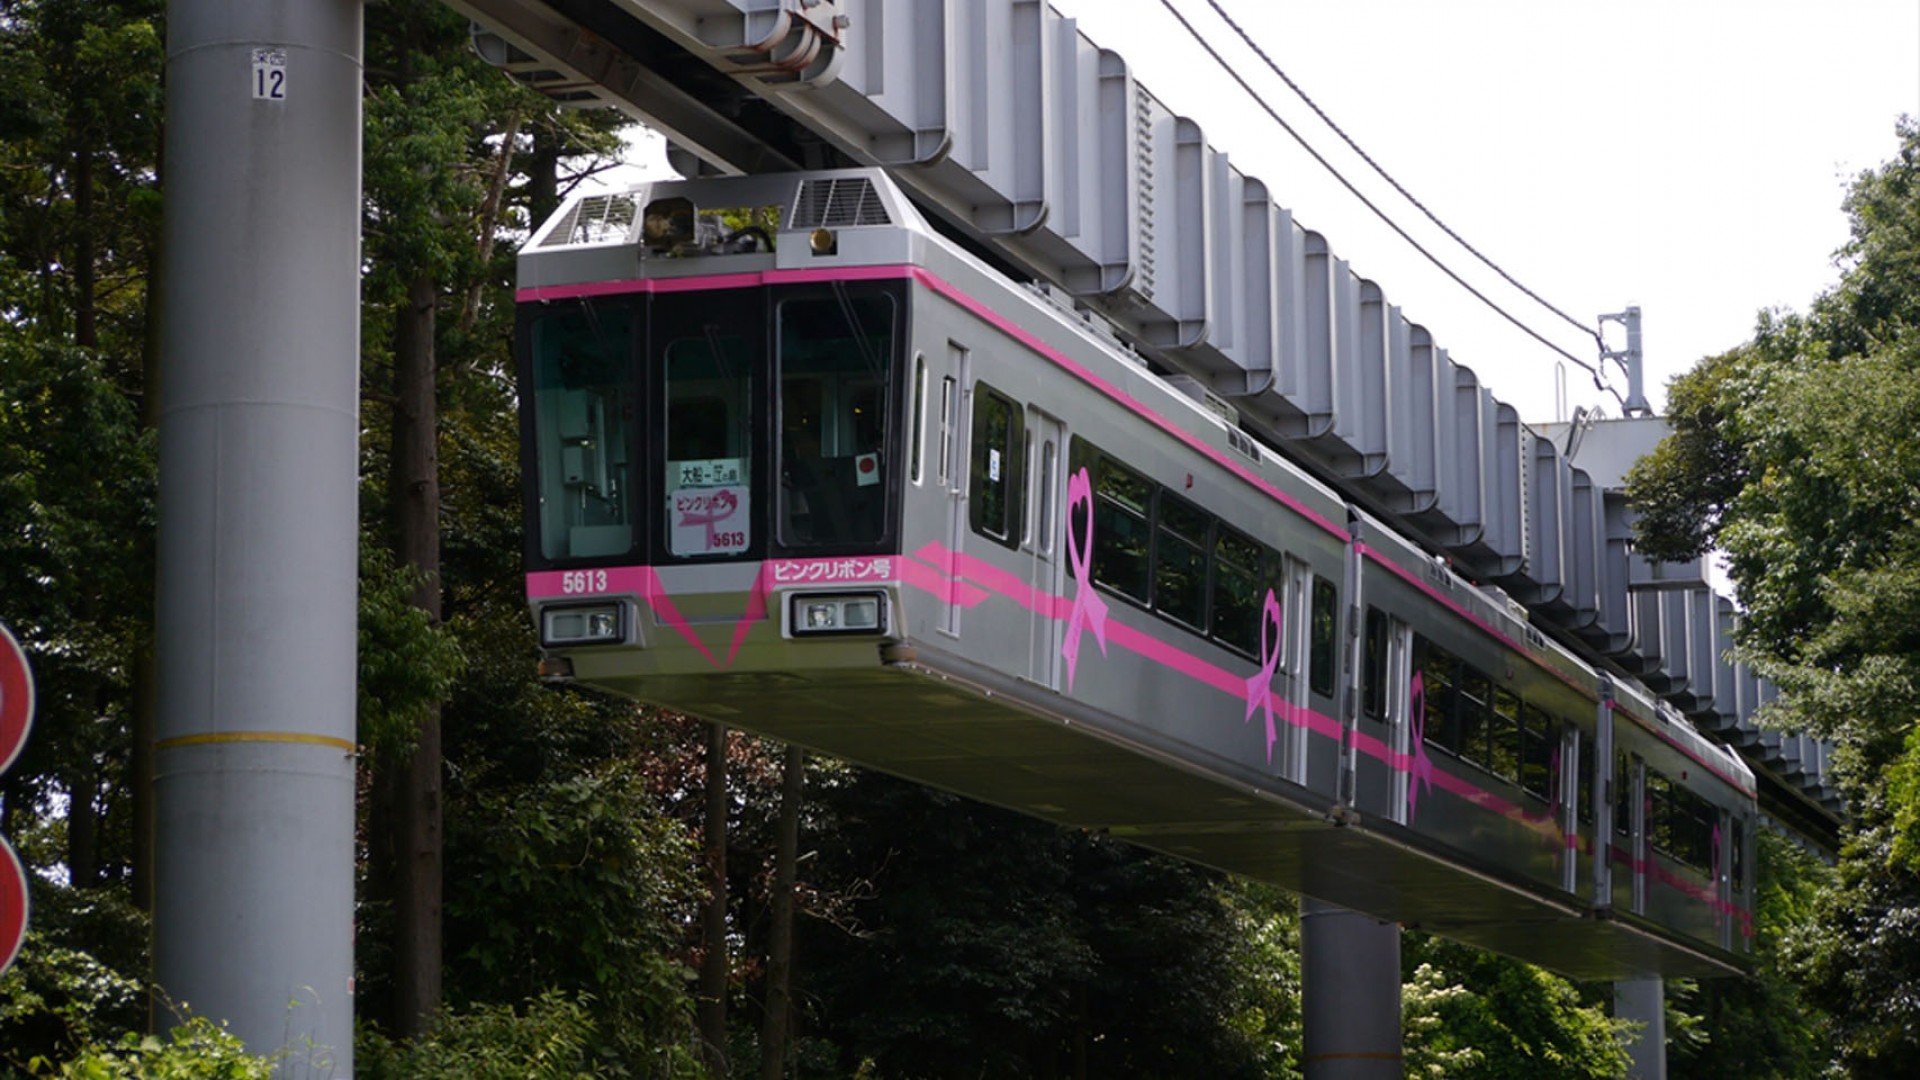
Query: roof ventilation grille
column 837, row 203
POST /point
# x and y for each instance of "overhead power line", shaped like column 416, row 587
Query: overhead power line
column 1599, row 380
column 1388, row 177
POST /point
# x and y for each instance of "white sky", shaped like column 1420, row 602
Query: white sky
column 1688, row 156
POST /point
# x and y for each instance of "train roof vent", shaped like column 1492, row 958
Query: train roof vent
column 838, row 202
column 596, row 219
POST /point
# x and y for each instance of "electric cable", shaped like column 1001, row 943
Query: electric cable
column 1599, row 380
column 1247, row 39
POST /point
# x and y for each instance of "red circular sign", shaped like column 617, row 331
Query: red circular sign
column 16, row 698
column 13, row 905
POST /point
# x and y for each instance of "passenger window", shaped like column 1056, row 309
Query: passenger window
column 1324, row 658
column 1374, row 698
column 1180, row 562
column 1583, row 803
column 1239, row 590
column 1440, row 676
column 1739, row 856
column 915, row 450
column 1049, row 497
column 948, row 402
column 1660, row 816
column 1623, row 795
column 1471, row 707
column 1539, row 754
column 1503, row 736
column 994, row 480
column 1122, row 507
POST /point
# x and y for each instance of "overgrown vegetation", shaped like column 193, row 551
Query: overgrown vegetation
column 935, row 937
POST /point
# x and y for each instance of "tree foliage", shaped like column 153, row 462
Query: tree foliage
column 1798, row 455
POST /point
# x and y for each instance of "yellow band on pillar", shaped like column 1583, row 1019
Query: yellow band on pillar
column 211, row 737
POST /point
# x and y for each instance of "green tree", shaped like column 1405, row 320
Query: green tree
column 1796, row 454
column 1474, row 1014
column 1002, row 946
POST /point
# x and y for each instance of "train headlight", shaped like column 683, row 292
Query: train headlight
column 821, row 614
column 583, row 624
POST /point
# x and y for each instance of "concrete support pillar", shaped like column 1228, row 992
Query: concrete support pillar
column 1350, row 994
column 1644, row 1002
column 254, row 750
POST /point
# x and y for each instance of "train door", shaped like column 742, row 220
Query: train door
column 1723, row 886
column 1290, row 753
column 1601, row 797
column 1390, row 684
column 1046, row 438
column 956, row 397
column 1633, row 783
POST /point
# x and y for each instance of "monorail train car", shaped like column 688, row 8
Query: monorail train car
column 798, row 464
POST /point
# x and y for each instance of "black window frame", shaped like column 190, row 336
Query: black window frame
column 1009, row 490
column 1323, row 649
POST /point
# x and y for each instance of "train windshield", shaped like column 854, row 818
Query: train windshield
column 833, row 418
column 583, row 406
column 705, row 425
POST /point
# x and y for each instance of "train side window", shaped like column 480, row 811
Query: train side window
column 1326, row 631
column 1738, row 856
column 1439, row 674
column 1049, row 494
column 1122, row 531
column 916, row 462
column 994, row 478
column 1586, row 764
column 949, row 400
column 1029, row 464
column 1239, row 590
column 1504, row 734
column 1471, row 705
column 1689, row 827
column 1623, row 795
column 1665, row 824
column 1180, row 561
column 1539, row 753
column 1374, row 695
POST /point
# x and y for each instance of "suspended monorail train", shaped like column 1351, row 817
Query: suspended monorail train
column 797, row 463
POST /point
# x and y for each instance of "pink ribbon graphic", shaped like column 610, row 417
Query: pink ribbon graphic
column 1421, row 773
column 720, row 507
column 1088, row 609
column 1260, row 684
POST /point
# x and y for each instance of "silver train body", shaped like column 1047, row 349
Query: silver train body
column 798, row 464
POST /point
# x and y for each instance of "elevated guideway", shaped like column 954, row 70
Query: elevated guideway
column 1042, row 150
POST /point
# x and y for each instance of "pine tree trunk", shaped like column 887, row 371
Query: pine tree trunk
column 713, row 965
column 543, row 175
column 414, row 495
column 146, row 690
column 777, row 1024
column 83, row 846
column 86, row 333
